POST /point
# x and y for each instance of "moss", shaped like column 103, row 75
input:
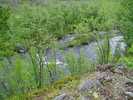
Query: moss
column 59, row 84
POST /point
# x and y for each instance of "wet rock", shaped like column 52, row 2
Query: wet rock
column 20, row 49
column 64, row 96
column 88, row 85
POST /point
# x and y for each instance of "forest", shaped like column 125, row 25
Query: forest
column 66, row 49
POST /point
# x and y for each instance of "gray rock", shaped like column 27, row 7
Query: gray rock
column 85, row 98
column 88, row 85
column 129, row 94
column 64, row 96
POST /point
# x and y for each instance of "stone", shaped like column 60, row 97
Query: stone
column 85, row 98
column 129, row 94
column 64, row 96
column 129, row 89
column 88, row 85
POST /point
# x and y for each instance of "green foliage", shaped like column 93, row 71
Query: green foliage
column 62, row 18
column 126, row 21
column 6, row 47
column 38, row 27
column 130, row 50
column 129, row 62
column 127, row 28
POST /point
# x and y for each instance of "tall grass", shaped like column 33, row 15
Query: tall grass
column 104, row 53
column 17, row 79
column 78, row 65
column 20, row 78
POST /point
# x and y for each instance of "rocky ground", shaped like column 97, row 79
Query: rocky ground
column 107, row 83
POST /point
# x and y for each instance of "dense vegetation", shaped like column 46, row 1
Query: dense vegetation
column 39, row 27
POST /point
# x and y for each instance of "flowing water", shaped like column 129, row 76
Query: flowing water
column 90, row 50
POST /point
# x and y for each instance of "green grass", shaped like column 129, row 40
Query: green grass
column 69, row 82
column 78, row 65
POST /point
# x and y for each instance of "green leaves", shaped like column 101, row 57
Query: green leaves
column 6, row 46
column 126, row 21
column 129, row 62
